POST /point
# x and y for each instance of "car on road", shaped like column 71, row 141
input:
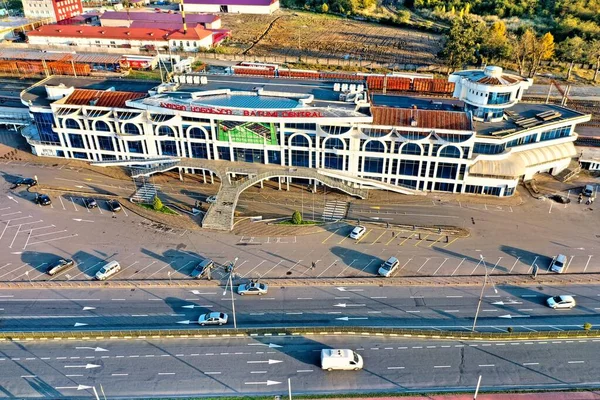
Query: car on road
column 202, row 269
column 88, row 202
column 253, row 288
column 340, row 359
column 113, row 205
column 108, row 270
column 357, row 232
column 559, row 264
column 562, row 301
column 588, row 190
column 42, row 199
column 211, row 199
column 59, row 266
column 560, row 199
column 29, row 182
column 388, row 267
column 213, row 318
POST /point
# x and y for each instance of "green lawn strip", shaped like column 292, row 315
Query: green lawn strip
column 164, row 209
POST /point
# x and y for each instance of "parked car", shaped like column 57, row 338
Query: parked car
column 29, row 182
column 211, row 199
column 213, row 318
column 202, row 268
column 560, row 199
column 88, row 202
column 562, row 301
column 388, row 267
column 559, row 264
column 357, row 232
column 253, row 288
column 59, row 266
column 108, row 270
column 588, row 190
column 42, row 199
column 114, row 205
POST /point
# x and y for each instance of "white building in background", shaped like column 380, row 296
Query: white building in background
column 232, row 6
column 457, row 146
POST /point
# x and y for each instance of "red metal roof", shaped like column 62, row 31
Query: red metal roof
column 101, row 98
column 159, row 17
column 109, row 32
column 432, row 119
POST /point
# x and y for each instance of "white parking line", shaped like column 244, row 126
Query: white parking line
column 10, row 272
column 50, row 240
column 280, row 261
column 87, row 269
column 258, row 265
column 73, row 202
column 137, row 272
column 513, row 267
column 438, row 268
column 165, row 266
column 325, row 270
column 459, row 264
column 61, row 202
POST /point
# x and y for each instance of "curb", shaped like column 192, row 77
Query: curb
column 449, row 281
column 294, row 331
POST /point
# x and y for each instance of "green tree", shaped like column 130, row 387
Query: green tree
column 572, row 50
column 324, row 8
column 461, row 43
column 543, row 49
column 587, row 326
column 593, row 55
column 529, row 51
column 157, row 204
column 495, row 44
column 403, row 16
column 296, row 218
column 14, row 5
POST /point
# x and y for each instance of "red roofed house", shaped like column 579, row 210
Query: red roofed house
column 117, row 37
column 232, row 6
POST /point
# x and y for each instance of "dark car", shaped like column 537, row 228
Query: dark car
column 42, row 199
column 114, row 205
column 29, row 182
column 59, row 266
column 203, row 269
column 90, row 203
column 560, row 199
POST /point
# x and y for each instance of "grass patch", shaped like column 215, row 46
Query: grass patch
column 164, row 210
column 145, row 75
column 290, row 223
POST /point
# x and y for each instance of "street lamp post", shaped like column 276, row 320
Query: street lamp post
column 231, row 269
column 485, row 279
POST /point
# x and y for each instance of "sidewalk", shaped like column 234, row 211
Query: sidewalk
column 591, row 395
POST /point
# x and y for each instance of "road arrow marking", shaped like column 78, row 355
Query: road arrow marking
column 271, row 345
column 88, row 308
column 87, row 366
column 186, row 322
column 343, row 289
column 513, row 316
column 501, row 303
column 91, row 348
column 79, row 324
column 80, row 387
column 268, row 383
column 199, row 292
column 12, row 198
column 195, row 306
column 81, row 220
column 265, row 362
column 348, row 305
column 349, row 318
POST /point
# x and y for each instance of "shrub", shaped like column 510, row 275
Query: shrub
column 325, row 8
column 157, row 204
column 587, row 326
column 296, row 218
column 509, row 329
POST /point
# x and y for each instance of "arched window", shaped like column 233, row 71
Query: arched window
column 165, row 130
column 102, row 126
column 70, row 123
column 131, row 129
column 196, row 133
column 375, row 146
column 299, row 141
column 334, row 143
column 450, row 151
column 411, row 148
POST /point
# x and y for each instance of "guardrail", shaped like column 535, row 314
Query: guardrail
column 296, row 331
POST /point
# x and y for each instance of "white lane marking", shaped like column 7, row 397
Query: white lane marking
column 379, row 297
column 395, row 367
column 454, row 297
column 304, row 370
column 213, row 373
column 487, row 365
column 166, row 373
column 119, row 374
column 442, row 366
column 531, row 363
column 576, row 362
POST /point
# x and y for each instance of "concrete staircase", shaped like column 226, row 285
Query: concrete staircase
column 568, row 173
column 145, row 191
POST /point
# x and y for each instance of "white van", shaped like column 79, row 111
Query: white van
column 340, row 359
column 108, row 270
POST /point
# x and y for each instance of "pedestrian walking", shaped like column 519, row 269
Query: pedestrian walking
column 313, row 265
column 393, row 234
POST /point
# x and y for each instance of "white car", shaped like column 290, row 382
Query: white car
column 253, row 288
column 213, row 318
column 562, row 301
column 388, row 267
column 357, row 232
column 559, row 264
column 108, row 270
column 211, row 199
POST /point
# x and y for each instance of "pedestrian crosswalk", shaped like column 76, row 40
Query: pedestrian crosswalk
column 335, row 210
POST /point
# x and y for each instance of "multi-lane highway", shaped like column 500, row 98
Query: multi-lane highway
column 522, row 308
column 245, row 366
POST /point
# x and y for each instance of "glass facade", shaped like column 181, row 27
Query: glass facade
column 44, row 123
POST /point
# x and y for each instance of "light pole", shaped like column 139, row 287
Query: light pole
column 27, row 273
column 231, row 269
column 482, row 289
column 169, row 273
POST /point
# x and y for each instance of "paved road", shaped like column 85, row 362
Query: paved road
column 522, row 308
column 31, row 237
column 262, row 365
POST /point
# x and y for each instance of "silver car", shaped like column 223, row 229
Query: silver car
column 563, row 301
column 213, row 318
column 253, row 288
